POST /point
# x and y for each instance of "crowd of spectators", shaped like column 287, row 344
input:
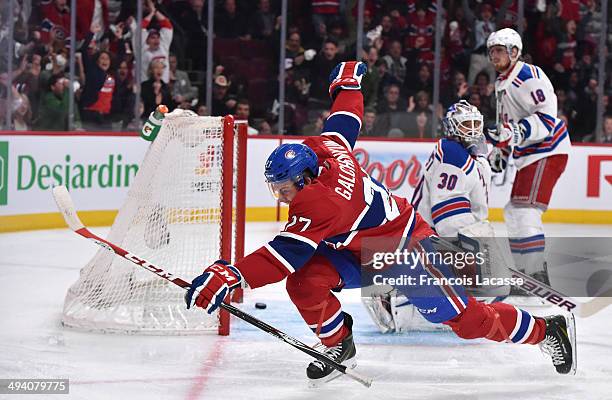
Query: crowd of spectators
column 561, row 36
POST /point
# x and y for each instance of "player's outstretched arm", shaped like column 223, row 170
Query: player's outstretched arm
column 346, row 113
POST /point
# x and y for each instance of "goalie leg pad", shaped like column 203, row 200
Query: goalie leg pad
column 498, row 322
column 310, row 290
column 480, row 237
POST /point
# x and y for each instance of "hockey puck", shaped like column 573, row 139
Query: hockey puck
column 260, row 306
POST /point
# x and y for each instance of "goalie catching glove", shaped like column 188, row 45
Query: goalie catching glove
column 346, row 75
column 209, row 289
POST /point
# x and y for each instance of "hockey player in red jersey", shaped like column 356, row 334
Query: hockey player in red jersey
column 333, row 206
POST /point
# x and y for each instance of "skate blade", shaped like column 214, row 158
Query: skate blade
column 570, row 321
column 316, row 383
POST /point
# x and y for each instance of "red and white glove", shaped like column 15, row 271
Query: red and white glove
column 346, row 75
column 209, row 289
column 508, row 134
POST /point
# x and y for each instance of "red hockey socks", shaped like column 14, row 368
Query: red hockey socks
column 310, row 291
column 498, row 322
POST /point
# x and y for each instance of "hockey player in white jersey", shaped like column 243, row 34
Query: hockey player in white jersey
column 528, row 128
column 453, row 191
column 452, row 196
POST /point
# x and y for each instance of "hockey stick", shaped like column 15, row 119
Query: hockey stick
column 66, row 206
column 545, row 292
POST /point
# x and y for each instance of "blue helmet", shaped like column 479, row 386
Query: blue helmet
column 289, row 161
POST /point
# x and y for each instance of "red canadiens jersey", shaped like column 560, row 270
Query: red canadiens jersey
column 338, row 209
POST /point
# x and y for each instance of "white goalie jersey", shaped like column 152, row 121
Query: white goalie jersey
column 453, row 191
column 526, row 97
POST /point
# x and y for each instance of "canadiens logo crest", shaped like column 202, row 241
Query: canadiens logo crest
column 290, row 154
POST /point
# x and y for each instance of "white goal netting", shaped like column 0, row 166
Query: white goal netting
column 172, row 218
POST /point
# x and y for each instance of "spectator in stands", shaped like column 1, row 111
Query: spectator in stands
column 585, row 67
column 192, row 17
column 336, row 31
column 155, row 43
column 423, row 127
column 262, row 22
column 315, row 128
column 481, row 28
column 222, row 103
column 607, row 129
column 53, row 109
column 396, row 63
column 55, row 20
column 385, row 78
column 488, row 116
column 457, row 41
column 368, row 128
column 423, row 82
column 564, row 105
column 90, row 13
column 586, row 111
column 202, row 110
column 324, row 13
column 53, row 64
column 419, row 40
column 264, row 128
column 22, row 113
column 154, row 91
column 457, row 91
column 230, row 23
column 389, row 32
column 370, row 82
column 182, row 90
column 391, row 101
column 97, row 95
column 296, row 94
column 243, row 113
column 294, row 52
column 323, row 63
column 486, row 96
column 420, row 103
column 590, row 24
column 122, row 107
column 566, row 46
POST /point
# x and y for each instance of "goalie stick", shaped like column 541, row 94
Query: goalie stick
column 66, row 206
column 552, row 296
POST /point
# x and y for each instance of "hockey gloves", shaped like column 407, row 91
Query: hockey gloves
column 498, row 159
column 346, row 75
column 507, row 134
column 209, row 289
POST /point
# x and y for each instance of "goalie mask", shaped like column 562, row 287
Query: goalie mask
column 463, row 121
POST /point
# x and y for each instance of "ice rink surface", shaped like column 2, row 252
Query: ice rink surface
column 36, row 269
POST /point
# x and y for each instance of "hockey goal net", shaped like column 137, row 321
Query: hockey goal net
column 179, row 214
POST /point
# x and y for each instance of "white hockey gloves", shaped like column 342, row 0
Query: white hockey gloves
column 508, row 134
